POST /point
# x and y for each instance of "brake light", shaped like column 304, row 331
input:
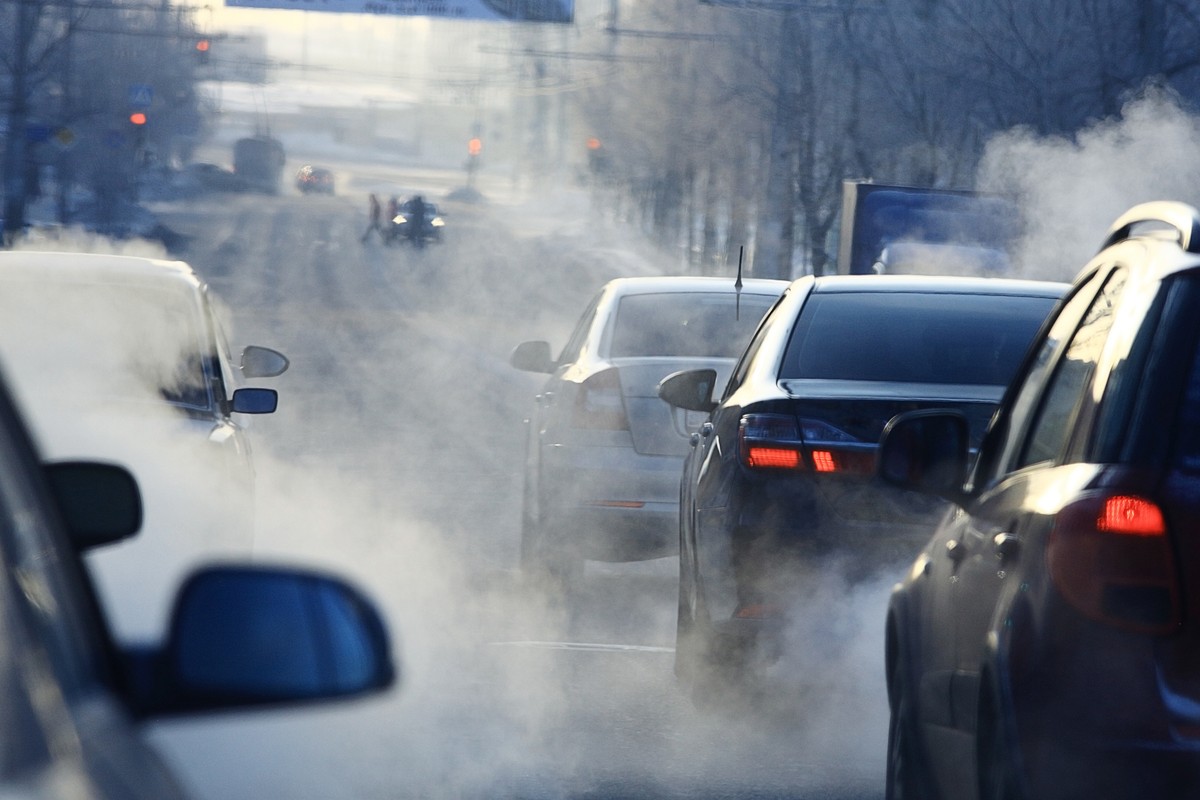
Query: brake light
column 770, row 441
column 1133, row 516
column 823, row 461
column 1110, row 556
column 599, row 404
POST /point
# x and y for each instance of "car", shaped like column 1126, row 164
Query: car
column 603, row 453
column 77, row 703
column 401, row 227
column 780, row 479
column 1044, row 642
column 310, row 179
column 124, row 359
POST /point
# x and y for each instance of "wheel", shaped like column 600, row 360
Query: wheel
column 997, row 779
column 905, row 770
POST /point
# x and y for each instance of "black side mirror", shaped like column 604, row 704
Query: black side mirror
column 251, row 635
column 926, row 451
column 691, row 389
column 532, row 357
column 263, row 362
column 255, row 400
column 99, row 503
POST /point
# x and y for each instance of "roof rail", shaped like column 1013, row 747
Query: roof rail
column 1184, row 218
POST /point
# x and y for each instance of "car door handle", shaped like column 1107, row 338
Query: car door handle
column 1007, row 544
column 955, row 550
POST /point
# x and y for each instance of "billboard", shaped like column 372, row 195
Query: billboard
column 498, row 10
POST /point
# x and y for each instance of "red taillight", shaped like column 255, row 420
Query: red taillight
column 770, row 441
column 599, row 404
column 1133, row 516
column 773, row 457
column 823, row 461
column 1111, row 558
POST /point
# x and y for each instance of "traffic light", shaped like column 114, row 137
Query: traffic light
column 474, row 146
column 203, row 46
column 137, row 119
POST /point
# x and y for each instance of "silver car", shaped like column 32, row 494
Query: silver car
column 604, row 453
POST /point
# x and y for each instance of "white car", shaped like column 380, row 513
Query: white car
column 605, row 453
column 123, row 359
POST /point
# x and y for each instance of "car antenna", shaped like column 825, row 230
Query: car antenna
column 737, row 285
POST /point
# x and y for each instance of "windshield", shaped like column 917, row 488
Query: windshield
column 95, row 343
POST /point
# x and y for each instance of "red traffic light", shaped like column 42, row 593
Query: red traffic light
column 474, row 146
column 593, row 143
column 137, row 118
column 202, row 45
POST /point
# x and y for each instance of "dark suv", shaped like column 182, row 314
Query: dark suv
column 1046, row 642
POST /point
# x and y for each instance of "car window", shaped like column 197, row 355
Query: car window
column 913, row 337
column 699, row 324
column 570, row 353
column 769, row 320
column 1052, row 428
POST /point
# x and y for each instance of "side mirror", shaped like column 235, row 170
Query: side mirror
column 254, row 400
column 926, row 451
column 691, row 389
column 263, row 362
column 99, row 503
column 244, row 636
column 532, row 357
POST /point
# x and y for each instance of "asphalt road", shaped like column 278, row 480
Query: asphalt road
column 395, row 458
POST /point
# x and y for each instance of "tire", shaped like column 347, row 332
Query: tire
column 994, row 765
column 906, row 772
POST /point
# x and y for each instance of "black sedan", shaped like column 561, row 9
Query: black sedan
column 780, row 479
column 1046, row 642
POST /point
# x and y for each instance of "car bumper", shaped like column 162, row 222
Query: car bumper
column 616, row 504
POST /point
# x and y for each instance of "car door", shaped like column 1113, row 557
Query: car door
column 959, row 575
column 1046, row 423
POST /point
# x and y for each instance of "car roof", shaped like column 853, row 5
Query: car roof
column 690, row 283
column 935, row 284
column 72, row 267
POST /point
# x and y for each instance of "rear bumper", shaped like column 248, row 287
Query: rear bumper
column 613, row 503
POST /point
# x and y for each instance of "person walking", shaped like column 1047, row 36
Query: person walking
column 375, row 213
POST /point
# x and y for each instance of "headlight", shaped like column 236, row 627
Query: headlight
column 437, row 222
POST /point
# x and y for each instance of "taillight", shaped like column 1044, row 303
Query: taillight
column 770, row 441
column 1111, row 557
column 781, row 441
column 599, row 404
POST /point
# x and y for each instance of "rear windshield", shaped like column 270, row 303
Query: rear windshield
column 696, row 324
column 913, row 337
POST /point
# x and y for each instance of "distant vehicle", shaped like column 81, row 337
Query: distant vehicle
column 909, row 229
column 124, row 359
column 407, row 229
column 1045, row 642
column 780, row 479
column 258, row 162
column 213, row 177
column 603, row 452
column 240, row 636
column 310, row 179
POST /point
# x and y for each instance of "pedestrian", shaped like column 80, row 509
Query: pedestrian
column 375, row 212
